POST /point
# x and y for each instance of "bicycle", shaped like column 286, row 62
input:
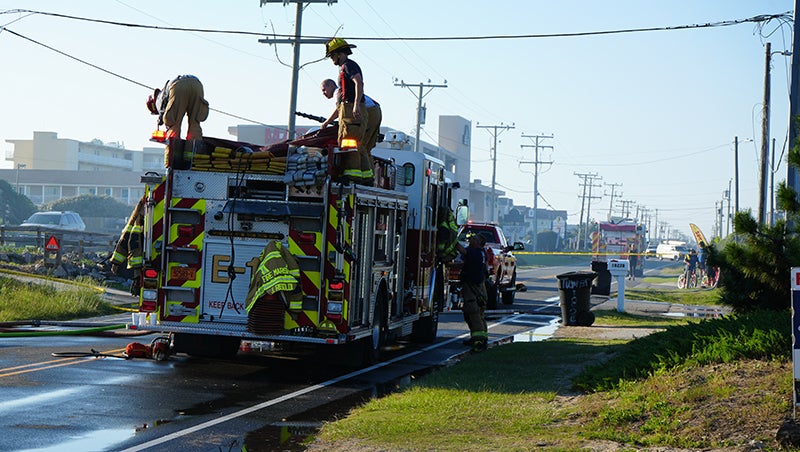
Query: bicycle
column 711, row 279
column 687, row 279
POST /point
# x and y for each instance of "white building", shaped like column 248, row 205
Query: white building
column 47, row 168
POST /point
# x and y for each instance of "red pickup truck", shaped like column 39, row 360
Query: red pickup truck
column 501, row 263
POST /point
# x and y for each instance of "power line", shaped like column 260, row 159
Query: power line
column 760, row 19
column 130, row 80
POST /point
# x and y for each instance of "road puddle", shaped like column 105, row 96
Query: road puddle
column 295, row 432
column 96, row 440
column 539, row 333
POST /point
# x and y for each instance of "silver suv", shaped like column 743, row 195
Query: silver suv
column 64, row 221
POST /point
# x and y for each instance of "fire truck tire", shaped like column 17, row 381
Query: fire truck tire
column 425, row 329
column 372, row 345
column 205, row 345
column 492, row 294
column 508, row 295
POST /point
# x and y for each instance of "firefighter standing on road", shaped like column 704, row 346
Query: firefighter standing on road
column 353, row 115
column 473, row 289
column 180, row 97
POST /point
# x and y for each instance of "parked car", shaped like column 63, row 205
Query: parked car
column 650, row 251
column 64, row 221
column 673, row 252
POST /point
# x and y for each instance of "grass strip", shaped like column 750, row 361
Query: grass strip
column 20, row 300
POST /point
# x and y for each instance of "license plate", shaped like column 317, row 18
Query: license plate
column 185, row 273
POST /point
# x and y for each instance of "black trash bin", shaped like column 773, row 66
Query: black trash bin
column 574, row 291
column 602, row 284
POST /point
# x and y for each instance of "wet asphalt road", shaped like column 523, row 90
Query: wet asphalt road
column 256, row 401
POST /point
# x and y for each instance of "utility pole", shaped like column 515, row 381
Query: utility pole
column 420, row 108
column 772, row 185
column 585, row 184
column 727, row 195
column 589, row 202
column 296, row 41
column 792, row 177
column 495, row 131
column 735, row 174
column 625, row 206
column 658, row 237
column 762, row 182
column 611, row 201
column 536, row 163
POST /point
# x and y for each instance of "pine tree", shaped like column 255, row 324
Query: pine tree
column 756, row 261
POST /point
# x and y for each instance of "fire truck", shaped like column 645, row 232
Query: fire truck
column 366, row 255
column 614, row 239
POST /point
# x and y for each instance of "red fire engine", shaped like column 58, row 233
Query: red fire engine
column 368, row 270
column 617, row 240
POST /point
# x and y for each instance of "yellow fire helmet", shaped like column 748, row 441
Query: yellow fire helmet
column 337, row 44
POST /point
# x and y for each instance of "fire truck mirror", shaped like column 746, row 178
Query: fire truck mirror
column 462, row 215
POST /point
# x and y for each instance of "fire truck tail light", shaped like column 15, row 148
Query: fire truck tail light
column 149, row 294
column 349, row 143
column 307, row 237
column 150, row 273
column 186, row 231
column 336, row 285
column 334, row 307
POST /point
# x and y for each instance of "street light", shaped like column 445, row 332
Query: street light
column 19, row 167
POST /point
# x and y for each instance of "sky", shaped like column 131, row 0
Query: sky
column 652, row 114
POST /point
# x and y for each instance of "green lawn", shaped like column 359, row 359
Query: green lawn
column 697, row 385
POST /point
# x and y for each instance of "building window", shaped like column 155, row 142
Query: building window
column 35, row 194
column 51, row 193
column 407, row 174
column 69, row 192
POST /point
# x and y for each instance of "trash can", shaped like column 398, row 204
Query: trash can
column 574, row 291
column 601, row 285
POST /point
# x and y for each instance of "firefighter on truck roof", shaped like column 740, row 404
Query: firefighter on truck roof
column 353, row 114
column 182, row 96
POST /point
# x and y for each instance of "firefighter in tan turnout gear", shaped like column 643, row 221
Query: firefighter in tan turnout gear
column 129, row 245
column 180, row 97
column 353, row 114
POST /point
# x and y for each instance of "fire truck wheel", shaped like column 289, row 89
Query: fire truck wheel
column 425, row 329
column 372, row 345
column 508, row 295
column 492, row 294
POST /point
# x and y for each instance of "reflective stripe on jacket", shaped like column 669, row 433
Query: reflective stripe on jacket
column 278, row 271
column 129, row 245
column 447, row 235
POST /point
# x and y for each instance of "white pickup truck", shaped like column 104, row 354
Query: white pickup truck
column 501, row 263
